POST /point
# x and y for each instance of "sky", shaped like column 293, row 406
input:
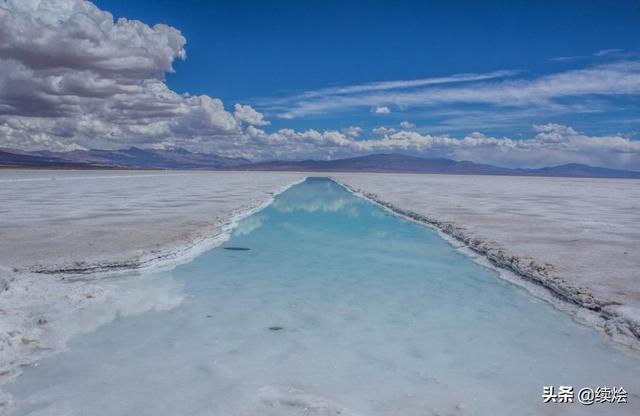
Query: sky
column 515, row 83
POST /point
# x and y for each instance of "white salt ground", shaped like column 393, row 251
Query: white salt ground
column 56, row 220
column 585, row 233
column 586, row 230
column 98, row 223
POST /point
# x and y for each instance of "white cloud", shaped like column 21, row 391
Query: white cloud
column 549, row 92
column 381, row 110
column 352, row 131
column 552, row 144
column 407, row 125
column 383, row 131
column 604, row 52
column 246, row 114
column 599, row 54
column 73, row 34
column 72, row 77
column 399, row 84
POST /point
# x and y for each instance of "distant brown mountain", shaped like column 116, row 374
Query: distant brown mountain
column 411, row 164
column 136, row 158
column 131, row 158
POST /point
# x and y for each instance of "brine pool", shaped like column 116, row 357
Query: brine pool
column 325, row 304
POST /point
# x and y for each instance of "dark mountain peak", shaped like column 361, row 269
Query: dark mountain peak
column 137, row 150
column 392, row 157
column 571, row 165
column 129, row 158
column 580, row 170
column 178, row 158
column 398, row 162
column 180, row 150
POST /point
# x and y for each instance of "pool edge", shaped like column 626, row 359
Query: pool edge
column 623, row 330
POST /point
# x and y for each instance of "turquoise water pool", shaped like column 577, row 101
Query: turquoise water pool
column 325, row 304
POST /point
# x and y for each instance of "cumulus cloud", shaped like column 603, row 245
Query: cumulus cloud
column 77, row 35
column 383, row 131
column 381, row 110
column 552, row 144
column 246, row 114
column 352, row 131
column 73, row 77
column 407, row 125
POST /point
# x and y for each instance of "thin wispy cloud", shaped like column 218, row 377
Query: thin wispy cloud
column 599, row 54
column 395, row 85
column 73, row 77
column 280, row 105
column 621, row 78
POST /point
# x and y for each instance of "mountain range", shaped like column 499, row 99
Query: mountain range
column 131, row 158
column 136, row 158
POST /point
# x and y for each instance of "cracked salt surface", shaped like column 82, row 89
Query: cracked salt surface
column 379, row 316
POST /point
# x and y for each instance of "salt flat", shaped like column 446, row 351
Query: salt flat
column 577, row 237
column 89, row 220
column 582, row 235
column 77, row 225
column 334, row 308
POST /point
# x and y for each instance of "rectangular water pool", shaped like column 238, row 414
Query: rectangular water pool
column 325, row 304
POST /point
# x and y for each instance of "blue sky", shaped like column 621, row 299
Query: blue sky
column 257, row 52
column 518, row 83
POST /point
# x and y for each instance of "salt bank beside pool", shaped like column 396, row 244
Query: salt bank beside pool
column 333, row 306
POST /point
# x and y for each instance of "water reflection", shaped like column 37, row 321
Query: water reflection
column 331, row 315
column 318, row 195
column 249, row 224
